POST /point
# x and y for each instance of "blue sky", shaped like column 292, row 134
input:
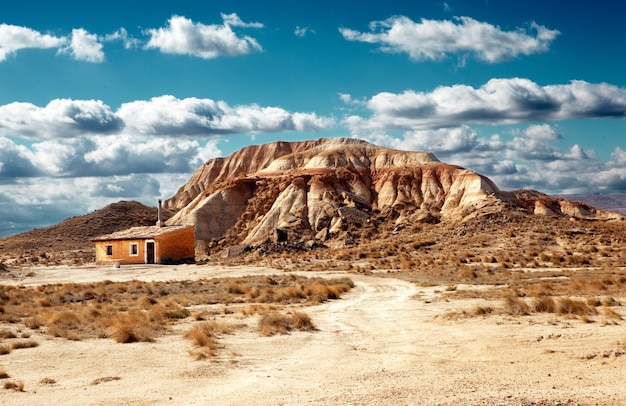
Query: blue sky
column 109, row 101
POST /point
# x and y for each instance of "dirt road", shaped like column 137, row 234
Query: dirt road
column 380, row 344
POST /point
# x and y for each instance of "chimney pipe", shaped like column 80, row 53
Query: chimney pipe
column 160, row 222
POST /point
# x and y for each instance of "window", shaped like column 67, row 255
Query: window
column 134, row 249
column 109, row 250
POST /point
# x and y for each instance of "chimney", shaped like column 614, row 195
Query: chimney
column 160, row 222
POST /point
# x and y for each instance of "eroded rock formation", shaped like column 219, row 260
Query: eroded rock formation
column 317, row 190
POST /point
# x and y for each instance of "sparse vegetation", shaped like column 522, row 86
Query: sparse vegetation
column 276, row 323
column 138, row 311
column 17, row 386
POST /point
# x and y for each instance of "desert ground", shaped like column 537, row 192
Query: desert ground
column 386, row 341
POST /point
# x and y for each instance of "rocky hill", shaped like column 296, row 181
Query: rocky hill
column 319, row 191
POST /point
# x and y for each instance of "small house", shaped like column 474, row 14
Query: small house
column 146, row 245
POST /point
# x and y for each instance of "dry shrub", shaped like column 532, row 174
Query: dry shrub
column 24, row 344
column 47, row 381
column 204, row 337
column 5, row 349
column 481, row 310
column 542, row 304
column 131, row 327
column 275, row 323
column 573, row 306
column 515, row 306
column 146, row 302
column 611, row 314
column 64, row 324
column 302, row 321
column 34, row 322
column 5, row 333
column 17, row 386
column 3, row 374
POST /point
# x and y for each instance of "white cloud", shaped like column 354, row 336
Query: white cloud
column 84, row 46
column 544, row 132
column 183, row 36
column 499, row 101
column 60, row 118
column 123, row 36
column 16, row 161
column 167, row 115
column 14, row 38
column 303, row 31
column 436, row 40
column 234, row 20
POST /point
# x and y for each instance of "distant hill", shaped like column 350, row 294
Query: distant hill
column 615, row 203
column 74, row 234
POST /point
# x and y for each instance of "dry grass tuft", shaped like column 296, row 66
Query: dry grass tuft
column 131, row 327
column 204, row 337
column 5, row 333
column 273, row 323
column 302, row 321
column 47, row 381
column 105, row 379
column 4, row 374
column 5, row 349
column 17, row 386
column 24, row 344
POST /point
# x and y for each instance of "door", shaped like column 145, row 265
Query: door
column 150, row 252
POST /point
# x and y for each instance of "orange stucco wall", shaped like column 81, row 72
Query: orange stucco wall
column 173, row 246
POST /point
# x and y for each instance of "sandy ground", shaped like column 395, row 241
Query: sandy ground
column 381, row 344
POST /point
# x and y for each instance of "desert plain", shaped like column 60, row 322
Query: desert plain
column 388, row 340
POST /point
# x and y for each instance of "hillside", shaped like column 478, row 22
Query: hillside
column 316, row 192
column 71, row 238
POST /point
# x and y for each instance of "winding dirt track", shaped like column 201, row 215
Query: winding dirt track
column 379, row 344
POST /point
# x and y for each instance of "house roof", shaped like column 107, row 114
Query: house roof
column 140, row 233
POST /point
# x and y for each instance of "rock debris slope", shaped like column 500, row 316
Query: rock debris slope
column 312, row 191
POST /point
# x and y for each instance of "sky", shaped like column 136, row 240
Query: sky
column 109, row 101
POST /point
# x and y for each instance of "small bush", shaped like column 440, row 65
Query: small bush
column 131, row 327
column 5, row 349
column 16, row 386
column 4, row 374
column 24, row 344
column 275, row 323
column 6, row 333
column 515, row 306
column 573, row 306
column 302, row 321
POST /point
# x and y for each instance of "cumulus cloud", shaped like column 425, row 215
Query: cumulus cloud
column 163, row 115
column 185, row 37
column 16, row 161
column 437, row 40
column 499, row 101
column 84, row 46
column 14, row 38
column 61, row 118
column 168, row 115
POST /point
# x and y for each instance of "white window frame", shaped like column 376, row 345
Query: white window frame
column 130, row 249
